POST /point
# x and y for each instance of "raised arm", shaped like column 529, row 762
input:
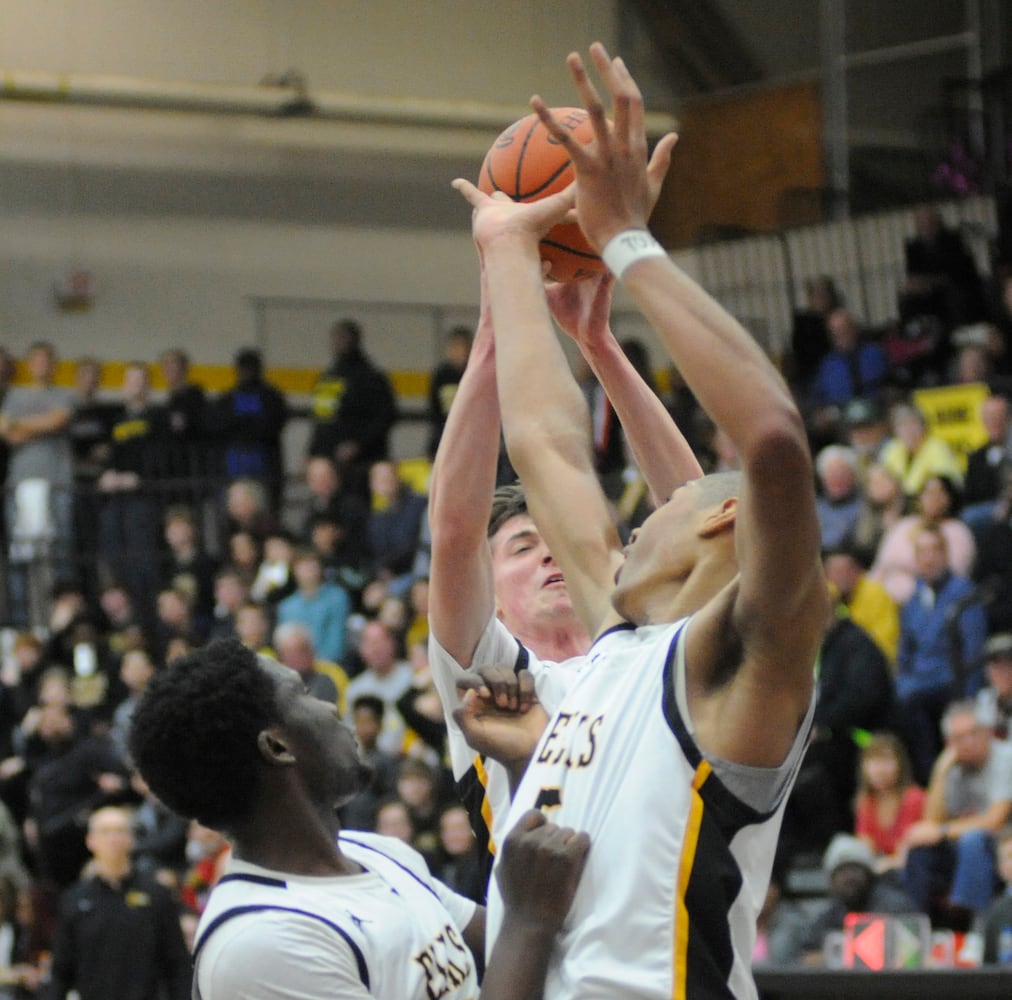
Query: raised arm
column 544, row 414
column 763, row 630
column 581, row 309
column 461, row 592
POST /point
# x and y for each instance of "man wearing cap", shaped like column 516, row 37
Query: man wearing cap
column 853, row 887
column 866, row 429
column 994, row 702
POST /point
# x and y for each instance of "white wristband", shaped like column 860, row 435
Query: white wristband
column 628, row 247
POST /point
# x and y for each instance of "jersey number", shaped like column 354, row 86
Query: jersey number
column 548, row 798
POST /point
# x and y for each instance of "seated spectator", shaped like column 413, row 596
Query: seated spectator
column 994, row 700
column 865, row 430
column 394, row 820
column 867, row 602
column 839, row 501
column 942, row 632
column 950, row 869
column 984, row 465
column 457, row 862
column 444, row 381
column 253, row 627
column 20, row 972
column 293, row 643
column 888, row 801
column 913, row 454
column 854, row 887
column 781, row 925
column 884, row 505
column 937, row 506
column 998, row 918
column 322, row 607
column 230, row 593
column 136, row 671
column 344, row 508
column 387, row 676
column 394, row 526
column 159, row 836
column 207, row 852
column 855, row 693
column 243, row 556
column 121, row 628
column 248, row 508
column 274, row 581
column 852, row 368
column 187, row 565
column 367, row 721
column 418, row 788
column 173, row 620
column 809, row 333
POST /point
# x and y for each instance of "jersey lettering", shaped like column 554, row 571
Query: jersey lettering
column 572, row 740
column 445, row 962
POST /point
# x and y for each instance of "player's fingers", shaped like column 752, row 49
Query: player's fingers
column 530, row 820
column 628, row 103
column 469, row 191
column 525, row 690
column 589, row 95
column 660, row 162
column 576, row 150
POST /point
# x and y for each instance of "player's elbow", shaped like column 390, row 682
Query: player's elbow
column 778, row 441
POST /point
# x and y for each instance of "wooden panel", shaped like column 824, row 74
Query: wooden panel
column 742, row 163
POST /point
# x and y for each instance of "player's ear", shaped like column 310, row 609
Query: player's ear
column 273, row 747
column 720, row 518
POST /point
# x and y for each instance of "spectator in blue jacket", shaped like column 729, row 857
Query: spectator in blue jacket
column 942, row 633
column 852, row 369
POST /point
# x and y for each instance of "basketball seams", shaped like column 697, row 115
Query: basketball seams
column 520, row 160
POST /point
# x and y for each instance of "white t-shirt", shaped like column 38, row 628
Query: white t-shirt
column 391, row 932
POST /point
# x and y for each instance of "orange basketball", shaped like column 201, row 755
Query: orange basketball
column 526, row 163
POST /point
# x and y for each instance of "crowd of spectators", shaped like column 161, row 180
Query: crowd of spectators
column 166, row 522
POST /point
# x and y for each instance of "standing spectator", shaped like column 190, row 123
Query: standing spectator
column 852, row 368
column 951, row 851
column 942, row 633
column 839, row 501
column 444, row 381
column 387, row 677
column 994, row 700
column 354, row 408
column 394, row 527
column 247, row 422
column 293, row 645
column 185, row 424
column 130, row 514
column 888, row 801
column 914, row 454
column 938, row 506
column 322, row 607
column 91, row 437
column 34, row 423
column 72, row 773
column 118, row 933
column 809, row 332
column 985, row 465
column 867, row 602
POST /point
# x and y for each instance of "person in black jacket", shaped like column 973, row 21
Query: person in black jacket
column 118, row 933
column 354, row 408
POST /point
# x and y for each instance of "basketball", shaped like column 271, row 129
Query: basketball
column 526, row 163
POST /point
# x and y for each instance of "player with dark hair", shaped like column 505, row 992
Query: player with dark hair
column 235, row 741
column 681, row 737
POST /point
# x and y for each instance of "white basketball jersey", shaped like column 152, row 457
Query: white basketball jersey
column 483, row 785
column 391, row 932
column 678, row 864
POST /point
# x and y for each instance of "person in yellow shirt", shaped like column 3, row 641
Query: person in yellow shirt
column 914, row 455
column 867, row 601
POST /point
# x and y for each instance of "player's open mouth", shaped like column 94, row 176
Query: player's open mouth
column 554, row 579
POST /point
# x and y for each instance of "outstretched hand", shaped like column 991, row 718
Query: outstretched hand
column 582, row 308
column 616, row 186
column 540, row 870
column 497, row 215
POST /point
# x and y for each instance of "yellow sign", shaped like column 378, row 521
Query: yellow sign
column 953, row 414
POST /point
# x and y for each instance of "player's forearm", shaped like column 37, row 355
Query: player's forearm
column 460, row 500
column 732, row 378
column 39, row 424
column 543, row 407
column 661, row 452
column 519, row 962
